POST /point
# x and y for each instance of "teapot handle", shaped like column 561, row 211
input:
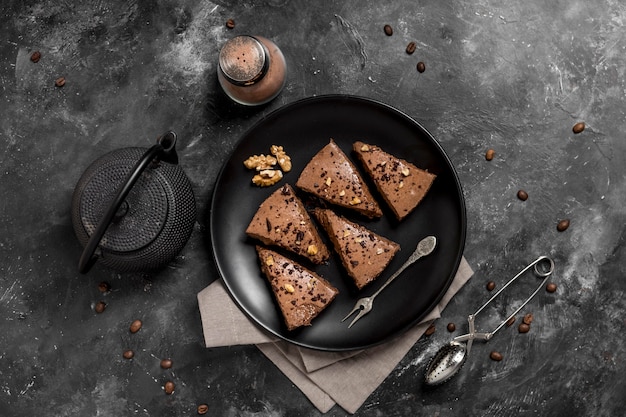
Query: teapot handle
column 164, row 150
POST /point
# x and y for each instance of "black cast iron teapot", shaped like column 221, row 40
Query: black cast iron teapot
column 134, row 209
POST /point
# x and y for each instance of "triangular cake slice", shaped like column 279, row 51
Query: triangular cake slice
column 282, row 220
column 401, row 184
column 300, row 293
column 331, row 176
column 363, row 253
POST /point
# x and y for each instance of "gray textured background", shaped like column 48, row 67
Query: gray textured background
column 512, row 76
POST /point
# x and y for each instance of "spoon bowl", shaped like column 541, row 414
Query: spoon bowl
column 446, row 363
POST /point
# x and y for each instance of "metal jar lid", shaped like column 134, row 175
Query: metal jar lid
column 243, row 60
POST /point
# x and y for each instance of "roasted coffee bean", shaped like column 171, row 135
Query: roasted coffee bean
column 551, row 287
column 35, row 56
column 166, row 363
column 410, row 48
column 522, row 195
column 491, row 286
column 169, row 387
column 104, row 287
column 388, row 30
column 451, row 327
column 135, row 326
column 100, row 306
column 578, row 127
column 510, row 321
column 128, row 354
column 421, row 67
column 431, row 329
column 562, row 225
column 59, row 82
column 496, row 356
column 230, row 23
column 203, row 409
column 523, row 328
column 490, row 154
column 528, row 318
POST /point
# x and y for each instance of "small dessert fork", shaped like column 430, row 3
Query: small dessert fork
column 364, row 305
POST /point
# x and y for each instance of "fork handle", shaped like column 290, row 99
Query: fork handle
column 414, row 257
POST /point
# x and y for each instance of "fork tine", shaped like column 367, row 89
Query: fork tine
column 356, row 307
column 358, row 316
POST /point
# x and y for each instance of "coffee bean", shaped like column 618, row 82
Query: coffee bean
column 490, row 154
column 496, row 356
column 491, row 286
column 230, row 23
column 35, row 56
column 203, row 409
column 128, row 354
column 100, row 306
column 166, row 363
column 451, row 327
column 551, row 287
column 410, row 48
column 578, row 127
column 421, row 67
column 528, row 318
column 522, row 195
column 510, row 321
column 431, row 329
column 135, row 326
column 562, row 225
column 104, row 287
column 388, row 30
column 523, row 328
column 59, row 82
column 169, row 387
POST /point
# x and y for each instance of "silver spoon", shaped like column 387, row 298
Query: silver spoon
column 364, row 305
column 451, row 357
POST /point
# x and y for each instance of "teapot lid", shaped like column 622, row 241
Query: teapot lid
column 143, row 213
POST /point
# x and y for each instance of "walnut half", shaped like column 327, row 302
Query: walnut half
column 284, row 160
column 267, row 177
column 260, row 162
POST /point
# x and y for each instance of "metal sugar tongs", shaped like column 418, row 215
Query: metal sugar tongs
column 451, row 357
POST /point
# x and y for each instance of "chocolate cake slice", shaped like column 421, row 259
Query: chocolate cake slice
column 331, row 176
column 363, row 253
column 282, row 220
column 401, row 184
column 300, row 293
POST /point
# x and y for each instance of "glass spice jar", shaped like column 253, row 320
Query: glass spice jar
column 251, row 70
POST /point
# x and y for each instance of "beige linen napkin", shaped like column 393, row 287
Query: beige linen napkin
column 326, row 378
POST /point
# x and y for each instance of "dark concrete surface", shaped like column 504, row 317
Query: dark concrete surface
column 512, row 76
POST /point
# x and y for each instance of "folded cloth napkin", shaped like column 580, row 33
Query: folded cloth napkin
column 326, row 378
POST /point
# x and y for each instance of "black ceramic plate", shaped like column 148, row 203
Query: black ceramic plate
column 303, row 128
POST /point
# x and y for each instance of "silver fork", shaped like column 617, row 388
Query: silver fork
column 364, row 305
